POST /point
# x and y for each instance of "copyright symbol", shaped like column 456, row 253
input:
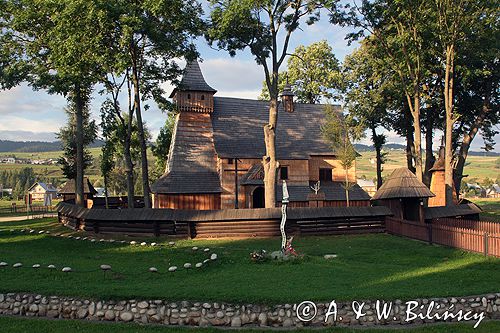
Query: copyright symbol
column 306, row 311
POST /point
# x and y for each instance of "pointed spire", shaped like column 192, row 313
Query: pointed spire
column 193, row 80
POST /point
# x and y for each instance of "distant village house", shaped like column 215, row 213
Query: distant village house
column 39, row 191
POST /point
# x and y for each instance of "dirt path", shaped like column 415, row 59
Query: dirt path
column 24, row 217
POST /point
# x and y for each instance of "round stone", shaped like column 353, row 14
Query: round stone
column 171, row 243
column 172, row 268
column 213, row 256
column 187, row 265
column 206, row 250
column 77, row 238
column 3, row 264
column 153, row 244
column 126, row 316
column 17, row 265
column 105, row 267
column 133, row 242
column 31, row 231
column 92, row 240
column 153, row 269
column 206, row 260
column 195, row 248
column 51, row 266
column 36, row 266
column 66, row 269
column 144, row 244
column 198, row 265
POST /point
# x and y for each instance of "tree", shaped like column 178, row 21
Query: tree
column 58, row 46
column 340, row 131
column 149, row 35
column 259, row 26
column 400, row 29
column 367, row 95
column 67, row 136
column 314, row 72
column 161, row 147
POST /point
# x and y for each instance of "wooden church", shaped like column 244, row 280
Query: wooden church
column 217, row 148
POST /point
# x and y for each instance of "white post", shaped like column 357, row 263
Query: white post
column 284, row 203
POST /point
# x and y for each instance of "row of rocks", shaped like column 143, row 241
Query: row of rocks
column 223, row 314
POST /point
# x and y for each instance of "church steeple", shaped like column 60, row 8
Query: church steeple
column 194, row 94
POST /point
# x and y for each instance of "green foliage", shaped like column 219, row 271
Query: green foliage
column 314, row 73
column 67, row 136
column 161, row 147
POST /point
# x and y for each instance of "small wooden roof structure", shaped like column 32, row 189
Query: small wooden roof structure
column 402, row 183
column 69, row 187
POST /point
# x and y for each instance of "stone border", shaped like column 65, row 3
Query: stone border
column 205, row 314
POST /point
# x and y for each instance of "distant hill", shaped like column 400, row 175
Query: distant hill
column 35, row 146
column 361, row 148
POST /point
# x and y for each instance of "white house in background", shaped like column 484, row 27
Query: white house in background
column 493, row 191
column 368, row 185
column 10, row 160
column 40, row 190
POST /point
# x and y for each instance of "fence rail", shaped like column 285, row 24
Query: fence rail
column 33, row 210
column 475, row 236
column 244, row 223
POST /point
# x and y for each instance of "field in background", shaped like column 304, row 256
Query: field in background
column 478, row 167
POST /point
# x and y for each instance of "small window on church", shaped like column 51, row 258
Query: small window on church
column 325, row 174
column 189, row 96
column 202, row 97
column 283, row 173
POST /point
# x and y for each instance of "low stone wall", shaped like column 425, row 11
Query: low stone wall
column 223, row 314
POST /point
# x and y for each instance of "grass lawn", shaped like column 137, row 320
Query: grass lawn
column 18, row 325
column 490, row 207
column 368, row 267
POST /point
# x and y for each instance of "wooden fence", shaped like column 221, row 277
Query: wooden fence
column 476, row 236
column 244, row 223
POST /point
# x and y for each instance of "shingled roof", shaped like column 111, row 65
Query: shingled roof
column 193, row 79
column 238, row 129
column 402, row 183
column 192, row 166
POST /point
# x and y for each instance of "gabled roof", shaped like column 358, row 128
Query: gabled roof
column 238, row 129
column 69, row 187
column 402, row 183
column 46, row 187
column 193, row 79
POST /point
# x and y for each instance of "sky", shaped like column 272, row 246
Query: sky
column 27, row 115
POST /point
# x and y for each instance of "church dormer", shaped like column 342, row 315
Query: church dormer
column 193, row 93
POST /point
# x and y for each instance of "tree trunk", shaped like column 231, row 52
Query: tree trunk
column 467, row 140
column 129, row 165
column 269, row 161
column 378, row 152
column 347, row 186
column 429, row 156
column 106, row 190
column 79, row 105
column 410, row 147
column 450, row 120
column 142, row 139
column 417, row 136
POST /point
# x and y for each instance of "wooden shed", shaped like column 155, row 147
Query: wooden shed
column 68, row 190
column 403, row 193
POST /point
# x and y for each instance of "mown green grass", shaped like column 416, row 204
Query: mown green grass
column 22, row 325
column 367, row 267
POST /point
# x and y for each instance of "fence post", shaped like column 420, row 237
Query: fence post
column 486, row 244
